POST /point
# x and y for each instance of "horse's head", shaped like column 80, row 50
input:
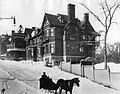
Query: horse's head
column 76, row 81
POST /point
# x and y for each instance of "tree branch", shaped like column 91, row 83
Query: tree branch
column 112, row 13
column 97, row 17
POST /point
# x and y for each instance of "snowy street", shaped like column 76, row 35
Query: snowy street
column 14, row 77
column 23, row 78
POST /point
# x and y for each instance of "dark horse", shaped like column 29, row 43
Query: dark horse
column 67, row 85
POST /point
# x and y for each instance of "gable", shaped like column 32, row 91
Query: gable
column 46, row 22
column 88, row 29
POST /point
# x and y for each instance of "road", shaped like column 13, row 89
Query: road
column 22, row 78
column 17, row 80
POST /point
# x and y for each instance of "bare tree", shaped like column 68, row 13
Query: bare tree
column 106, row 22
column 114, row 52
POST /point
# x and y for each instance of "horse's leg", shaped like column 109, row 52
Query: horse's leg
column 55, row 91
column 70, row 91
column 60, row 90
column 65, row 91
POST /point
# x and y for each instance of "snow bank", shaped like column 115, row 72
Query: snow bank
column 113, row 67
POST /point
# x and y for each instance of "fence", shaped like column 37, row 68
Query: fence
column 101, row 76
column 115, row 79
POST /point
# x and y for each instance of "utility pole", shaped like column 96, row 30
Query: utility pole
column 12, row 17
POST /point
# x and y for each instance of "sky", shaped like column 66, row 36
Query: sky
column 30, row 13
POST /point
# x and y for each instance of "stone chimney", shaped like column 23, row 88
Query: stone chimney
column 71, row 12
column 86, row 16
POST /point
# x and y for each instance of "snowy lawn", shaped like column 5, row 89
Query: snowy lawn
column 113, row 67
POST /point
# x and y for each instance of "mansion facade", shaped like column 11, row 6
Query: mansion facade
column 61, row 37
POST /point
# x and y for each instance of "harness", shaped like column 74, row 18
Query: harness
column 69, row 83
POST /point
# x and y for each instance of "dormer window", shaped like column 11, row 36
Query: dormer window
column 36, row 31
column 32, row 34
column 61, row 20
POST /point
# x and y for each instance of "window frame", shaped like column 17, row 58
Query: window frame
column 52, row 47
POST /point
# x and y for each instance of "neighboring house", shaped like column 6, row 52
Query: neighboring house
column 4, row 40
column 16, row 48
column 62, row 37
column 27, row 33
column 33, row 44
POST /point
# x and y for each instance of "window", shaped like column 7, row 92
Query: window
column 30, row 42
column 38, row 40
column 52, row 32
column 34, row 41
column 33, row 33
column 81, row 49
column 47, row 48
column 72, row 37
column 52, row 48
column 39, row 50
column 83, row 36
column 32, row 52
column 61, row 20
column 47, row 32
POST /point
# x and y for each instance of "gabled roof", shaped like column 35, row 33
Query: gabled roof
column 87, row 27
column 53, row 19
column 84, row 26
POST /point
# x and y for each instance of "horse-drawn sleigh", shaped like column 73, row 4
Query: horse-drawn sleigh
column 67, row 85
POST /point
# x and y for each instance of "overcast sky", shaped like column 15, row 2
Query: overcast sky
column 30, row 13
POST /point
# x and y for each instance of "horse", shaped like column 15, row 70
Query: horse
column 67, row 85
column 48, row 84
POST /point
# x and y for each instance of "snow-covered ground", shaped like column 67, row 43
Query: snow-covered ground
column 113, row 67
column 37, row 68
column 114, row 73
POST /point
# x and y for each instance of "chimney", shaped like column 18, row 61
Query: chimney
column 13, row 31
column 71, row 12
column 86, row 16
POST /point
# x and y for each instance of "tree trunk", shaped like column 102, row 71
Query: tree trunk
column 105, row 51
